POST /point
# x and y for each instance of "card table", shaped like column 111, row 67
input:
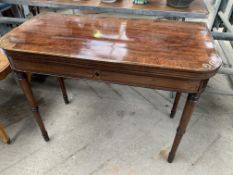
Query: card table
column 167, row 55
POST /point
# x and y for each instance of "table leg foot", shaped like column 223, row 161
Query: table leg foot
column 175, row 105
column 66, row 100
column 190, row 104
column 40, row 123
column 172, row 114
column 45, row 136
column 8, row 141
column 170, row 157
column 26, row 88
column 63, row 89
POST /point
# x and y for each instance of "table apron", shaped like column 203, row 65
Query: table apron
column 104, row 74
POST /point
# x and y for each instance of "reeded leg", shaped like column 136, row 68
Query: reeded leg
column 186, row 115
column 63, row 89
column 26, row 88
column 4, row 135
column 175, row 104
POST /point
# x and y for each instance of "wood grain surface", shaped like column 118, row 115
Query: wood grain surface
column 156, row 45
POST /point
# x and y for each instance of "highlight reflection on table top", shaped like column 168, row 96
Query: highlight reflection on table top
column 117, row 40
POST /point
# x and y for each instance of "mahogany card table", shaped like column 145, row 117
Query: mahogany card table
column 168, row 55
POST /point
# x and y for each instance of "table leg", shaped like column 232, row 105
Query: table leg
column 175, row 104
column 191, row 101
column 26, row 88
column 63, row 89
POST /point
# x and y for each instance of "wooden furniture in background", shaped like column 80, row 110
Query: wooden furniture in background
column 154, row 8
column 4, row 71
column 163, row 55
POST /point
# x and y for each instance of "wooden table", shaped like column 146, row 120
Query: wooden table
column 162, row 55
column 154, row 8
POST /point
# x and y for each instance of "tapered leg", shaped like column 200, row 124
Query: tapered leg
column 186, row 115
column 26, row 88
column 63, row 89
column 175, row 104
column 4, row 135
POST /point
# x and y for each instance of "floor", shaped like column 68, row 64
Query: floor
column 113, row 129
column 110, row 129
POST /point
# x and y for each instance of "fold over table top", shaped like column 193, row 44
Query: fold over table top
column 159, row 45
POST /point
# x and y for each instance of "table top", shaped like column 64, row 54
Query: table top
column 169, row 45
column 154, row 8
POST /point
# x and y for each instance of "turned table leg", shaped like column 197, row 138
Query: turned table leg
column 175, row 104
column 186, row 115
column 63, row 89
column 26, row 88
column 4, row 135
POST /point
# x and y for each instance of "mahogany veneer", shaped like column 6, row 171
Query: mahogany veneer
column 168, row 55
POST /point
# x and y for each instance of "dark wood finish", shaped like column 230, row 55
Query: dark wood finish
column 168, row 49
column 26, row 88
column 161, row 55
column 186, row 115
column 63, row 89
column 175, row 105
